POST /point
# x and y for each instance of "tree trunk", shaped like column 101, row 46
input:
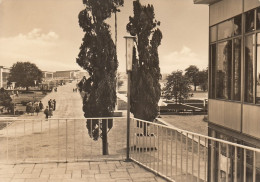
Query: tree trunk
column 104, row 136
column 195, row 87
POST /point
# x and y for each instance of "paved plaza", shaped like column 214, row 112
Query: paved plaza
column 69, row 105
column 104, row 171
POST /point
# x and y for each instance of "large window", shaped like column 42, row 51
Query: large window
column 224, row 67
column 225, row 60
column 249, row 60
column 237, row 69
column 258, row 70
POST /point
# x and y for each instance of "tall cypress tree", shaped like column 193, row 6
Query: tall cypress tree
column 145, row 89
column 98, row 56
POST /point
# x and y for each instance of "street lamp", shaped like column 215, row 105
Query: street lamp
column 35, row 81
column 129, row 59
column 13, row 85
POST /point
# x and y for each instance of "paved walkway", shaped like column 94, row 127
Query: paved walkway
column 69, row 105
column 105, row 171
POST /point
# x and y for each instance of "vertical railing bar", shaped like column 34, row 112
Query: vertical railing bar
column 150, row 148
column 192, row 153
column 143, row 147
column 91, row 122
column 162, row 148
column 198, row 179
column 244, row 165
column 158, row 156
column 49, row 139
column 154, row 153
column 219, row 155
column 24, row 139
column 171, row 153
column 181, row 154
column 254, row 166
column 166, row 152
column 145, row 138
column 227, row 153
column 7, row 141
column 82, row 140
column 41, row 153
column 74, row 139
column 176, row 157
column 235, row 157
column 66, row 140
column 107, row 135
column 15, row 145
column 33, row 137
column 58, row 140
column 205, row 160
column 187, row 157
column 139, row 140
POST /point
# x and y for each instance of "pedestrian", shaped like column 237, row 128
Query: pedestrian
column 50, row 112
column 27, row 108
column 49, row 103
column 54, row 104
column 46, row 112
column 37, row 108
column 41, row 105
column 32, row 109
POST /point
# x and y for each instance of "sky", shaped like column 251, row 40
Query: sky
column 46, row 32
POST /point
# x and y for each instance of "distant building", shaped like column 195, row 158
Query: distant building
column 4, row 74
column 234, row 85
column 47, row 75
column 66, row 75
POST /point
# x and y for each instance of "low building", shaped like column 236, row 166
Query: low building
column 4, row 74
column 66, row 75
column 47, row 75
column 234, row 85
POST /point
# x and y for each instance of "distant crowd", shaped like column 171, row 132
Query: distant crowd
column 36, row 107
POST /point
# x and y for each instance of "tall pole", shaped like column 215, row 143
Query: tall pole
column 128, row 115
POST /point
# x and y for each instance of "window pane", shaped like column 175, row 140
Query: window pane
column 224, row 62
column 258, row 18
column 213, row 34
column 237, row 69
column 258, row 71
column 225, row 29
column 249, row 21
column 237, row 25
column 249, row 59
column 212, row 68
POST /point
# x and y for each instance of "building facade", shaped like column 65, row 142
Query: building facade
column 234, row 83
column 4, row 73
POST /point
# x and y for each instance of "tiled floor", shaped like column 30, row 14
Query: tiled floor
column 105, row 171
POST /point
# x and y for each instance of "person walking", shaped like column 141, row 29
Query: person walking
column 50, row 112
column 46, row 112
column 37, row 108
column 41, row 106
column 54, row 104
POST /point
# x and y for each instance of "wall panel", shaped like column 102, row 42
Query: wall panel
column 251, row 120
column 223, row 10
column 224, row 113
column 250, row 4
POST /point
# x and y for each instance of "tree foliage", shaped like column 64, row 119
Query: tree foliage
column 203, row 79
column 98, row 57
column 177, row 87
column 24, row 74
column 5, row 99
column 145, row 89
column 192, row 72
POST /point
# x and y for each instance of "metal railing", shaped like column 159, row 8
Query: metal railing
column 180, row 155
column 61, row 140
column 175, row 154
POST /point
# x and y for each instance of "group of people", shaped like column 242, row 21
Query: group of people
column 75, row 89
column 50, row 108
column 32, row 107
